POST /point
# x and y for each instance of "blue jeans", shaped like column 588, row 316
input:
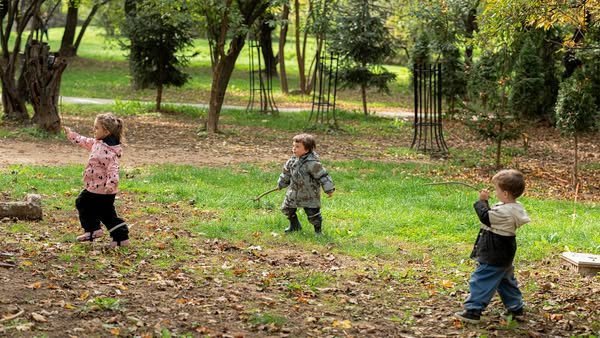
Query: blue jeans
column 486, row 280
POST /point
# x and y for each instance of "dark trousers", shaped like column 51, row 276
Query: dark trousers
column 95, row 208
column 313, row 214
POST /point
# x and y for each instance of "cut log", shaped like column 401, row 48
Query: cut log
column 585, row 264
column 30, row 209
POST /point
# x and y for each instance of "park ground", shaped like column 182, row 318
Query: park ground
column 207, row 261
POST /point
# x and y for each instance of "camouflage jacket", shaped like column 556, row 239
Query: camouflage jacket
column 304, row 177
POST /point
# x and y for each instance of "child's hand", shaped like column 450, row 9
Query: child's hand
column 484, row 195
column 66, row 129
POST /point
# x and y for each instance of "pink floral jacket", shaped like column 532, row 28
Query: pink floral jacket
column 101, row 175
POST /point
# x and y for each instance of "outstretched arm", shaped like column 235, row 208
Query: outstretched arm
column 79, row 140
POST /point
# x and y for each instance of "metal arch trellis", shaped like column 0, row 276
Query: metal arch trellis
column 325, row 90
column 428, row 135
column 258, row 73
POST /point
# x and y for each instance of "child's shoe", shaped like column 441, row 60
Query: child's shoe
column 318, row 230
column 90, row 236
column 469, row 316
column 294, row 225
column 516, row 314
column 115, row 244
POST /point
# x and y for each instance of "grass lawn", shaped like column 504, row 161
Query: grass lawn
column 101, row 71
column 377, row 209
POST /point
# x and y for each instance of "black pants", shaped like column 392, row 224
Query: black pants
column 95, row 208
column 313, row 214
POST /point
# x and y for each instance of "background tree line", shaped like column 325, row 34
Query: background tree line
column 505, row 62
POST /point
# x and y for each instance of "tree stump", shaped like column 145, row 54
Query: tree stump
column 30, row 209
column 43, row 72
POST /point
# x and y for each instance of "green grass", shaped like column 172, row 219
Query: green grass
column 101, row 71
column 266, row 318
column 375, row 211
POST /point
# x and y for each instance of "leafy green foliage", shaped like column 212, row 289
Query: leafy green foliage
column 526, row 95
column 363, row 43
column 488, row 113
column 576, row 109
column 454, row 81
column 157, row 32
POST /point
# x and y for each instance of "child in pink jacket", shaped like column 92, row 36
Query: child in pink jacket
column 101, row 178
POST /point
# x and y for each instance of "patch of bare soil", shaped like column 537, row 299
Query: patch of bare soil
column 238, row 290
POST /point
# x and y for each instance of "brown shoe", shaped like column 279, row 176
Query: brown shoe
column 90, row 236
column 115, row 244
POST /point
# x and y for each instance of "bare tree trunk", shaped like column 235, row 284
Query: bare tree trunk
column 12, row 17
column 471, row 27
column 499, row 140
column 266, row 42
column 43, row 76
column 86, row 23
column 66, row 46
column 14, row 106
column 220, row 80
column 159, row 92
column 363, row 91
column 300, row 51
column 281, row 54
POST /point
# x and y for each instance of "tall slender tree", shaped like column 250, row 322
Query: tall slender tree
column 227, row 23
column 363, row 42
column 158, row 32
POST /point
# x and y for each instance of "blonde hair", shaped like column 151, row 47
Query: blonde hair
column 510, row 180
column 113, row 124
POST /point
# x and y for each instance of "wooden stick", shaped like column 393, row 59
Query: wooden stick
column 7, row 265
column 7, row 318
column 257, row 198
column 458, row 183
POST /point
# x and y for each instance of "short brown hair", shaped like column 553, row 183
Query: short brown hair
column 307, row 140
column 510, row 180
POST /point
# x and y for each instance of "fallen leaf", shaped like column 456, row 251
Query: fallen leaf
column 342, row 324
column 115, row 331
column 448, row 284
column 35, row 285
column 38, row 317
column 202, row 330
column 84, row 295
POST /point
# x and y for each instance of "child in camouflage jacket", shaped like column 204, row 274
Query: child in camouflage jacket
column 304, row 175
